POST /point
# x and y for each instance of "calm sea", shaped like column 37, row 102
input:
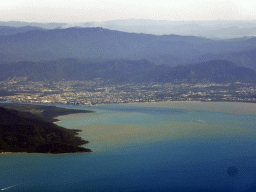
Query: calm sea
column 179, row 146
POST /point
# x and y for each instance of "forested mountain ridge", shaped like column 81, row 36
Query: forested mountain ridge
column 104, row 44
column 211, row 29
column 123, row 71
column 7, row 30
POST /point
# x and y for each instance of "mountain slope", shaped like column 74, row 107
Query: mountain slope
column 215, row 71
column 212, row 29
column 121, row 71
column 6, row 30
column 243, row 59
column 104, row 44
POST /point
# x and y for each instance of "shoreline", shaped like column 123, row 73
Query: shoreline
column 63, row 104
column 42, row 136
column 240, row 108
column 248, row 108
column 47, row 112
column 4, row 153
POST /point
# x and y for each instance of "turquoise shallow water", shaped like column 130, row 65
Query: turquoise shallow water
column 145, row 148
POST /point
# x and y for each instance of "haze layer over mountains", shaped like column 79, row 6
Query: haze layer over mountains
column 85, row 53
column 211, row 29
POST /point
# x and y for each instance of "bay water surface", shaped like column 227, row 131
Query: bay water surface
column 175, row 146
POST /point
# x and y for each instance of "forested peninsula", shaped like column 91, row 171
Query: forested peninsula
column 31, row 130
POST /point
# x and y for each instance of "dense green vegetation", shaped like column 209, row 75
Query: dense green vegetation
column 47, row 113
column 123, row 71
column 98, row 44
column 26, row 132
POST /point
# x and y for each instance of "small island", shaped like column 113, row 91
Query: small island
column 32, row 130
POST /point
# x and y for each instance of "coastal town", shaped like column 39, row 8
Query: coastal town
column 106, row 92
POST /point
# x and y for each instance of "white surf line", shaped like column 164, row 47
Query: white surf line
column 9, row 187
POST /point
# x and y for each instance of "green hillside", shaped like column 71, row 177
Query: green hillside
column 26, row 132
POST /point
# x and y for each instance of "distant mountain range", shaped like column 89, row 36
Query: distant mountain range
column 87, row 53
column 98, row 44
column 6, row 30
column 125, row 71
column 244, row 58
column 210, row 29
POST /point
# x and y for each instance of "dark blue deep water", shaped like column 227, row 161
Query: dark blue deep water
column 145, row 148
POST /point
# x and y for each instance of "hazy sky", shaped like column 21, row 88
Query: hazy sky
column 101, row 10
